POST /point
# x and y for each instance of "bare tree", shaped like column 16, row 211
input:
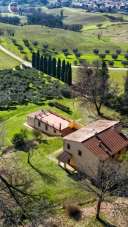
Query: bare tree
column 93, row 84
column 112, row 180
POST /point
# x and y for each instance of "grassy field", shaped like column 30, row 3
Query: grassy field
column 46, row 177
column 113, row 34
column 7, row 62
column 54, row 182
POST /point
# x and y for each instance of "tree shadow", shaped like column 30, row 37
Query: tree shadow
column 48, row 178
column 105, row 223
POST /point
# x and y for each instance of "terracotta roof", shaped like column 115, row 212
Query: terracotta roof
column 93, row 145
column 113, row 140
column 106, row 143
column 90, row 130
column 64, row 157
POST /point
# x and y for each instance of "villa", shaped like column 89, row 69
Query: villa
column 88, row 147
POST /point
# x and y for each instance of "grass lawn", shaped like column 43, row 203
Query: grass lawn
column 18, row 116
column 47, row 177
column 118, row 77
column 7, row 62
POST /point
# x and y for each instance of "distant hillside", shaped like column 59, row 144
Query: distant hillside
column 20, row 2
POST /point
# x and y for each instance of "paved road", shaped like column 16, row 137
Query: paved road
column 28, row 64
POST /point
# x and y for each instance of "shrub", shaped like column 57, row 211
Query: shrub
column 78, row 54
column 114, row 56
column 35, row 43
column 96, row 51
column 125, row 63
column 74, row 212
column 102, row 56
column 111, row 63
column 18, row 140
column 118, row 51
column 60, row 106
column 75, row 50
column 107, row 51
column 66, row 92
column 126, row 56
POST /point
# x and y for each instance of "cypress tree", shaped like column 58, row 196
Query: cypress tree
column 42, row 64
column 49, row 66
column 33, row 59
column 124, row 106
column 59, row 69
column 104, row 79
column 54, row 67
column 63, row 70
column 45, row 65
column 69, row 78
column 66, row 73
column 38, row 60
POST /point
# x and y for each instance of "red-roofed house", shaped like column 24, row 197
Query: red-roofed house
column 50, row 123
column 87, row 147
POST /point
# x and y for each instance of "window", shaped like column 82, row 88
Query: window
column 68, row 146
column 46, row 127
column 79, row 153
column 39, row 124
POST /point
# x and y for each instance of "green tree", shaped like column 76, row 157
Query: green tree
column 45, row 65
column 63, row 70
column 54, row 67
column 42, row 64
column 49, row 66
column 124, row 105
column 18, row 140
column 66, row 73
column 33, row 59
column 38, row 60
column 104, row 82
column 59, row 69
column 69, row 78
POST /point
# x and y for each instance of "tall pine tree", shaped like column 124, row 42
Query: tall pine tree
column 66, row 72
column 54, row 67
column 42, row 64
column 63, row 70
column 45, row 65
column 49, row 66
column 124, row 105
column 59, row 69
column 69, row 77
column 38, row 60
column 33, row 59
column 104, row 82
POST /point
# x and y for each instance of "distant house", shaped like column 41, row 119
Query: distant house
column 51, row 123
column 88, row 147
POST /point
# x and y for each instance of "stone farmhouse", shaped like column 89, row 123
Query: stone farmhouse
column 88, row 147
column 51, row 123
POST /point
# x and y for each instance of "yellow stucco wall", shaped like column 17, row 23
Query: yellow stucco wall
column 87, row 163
